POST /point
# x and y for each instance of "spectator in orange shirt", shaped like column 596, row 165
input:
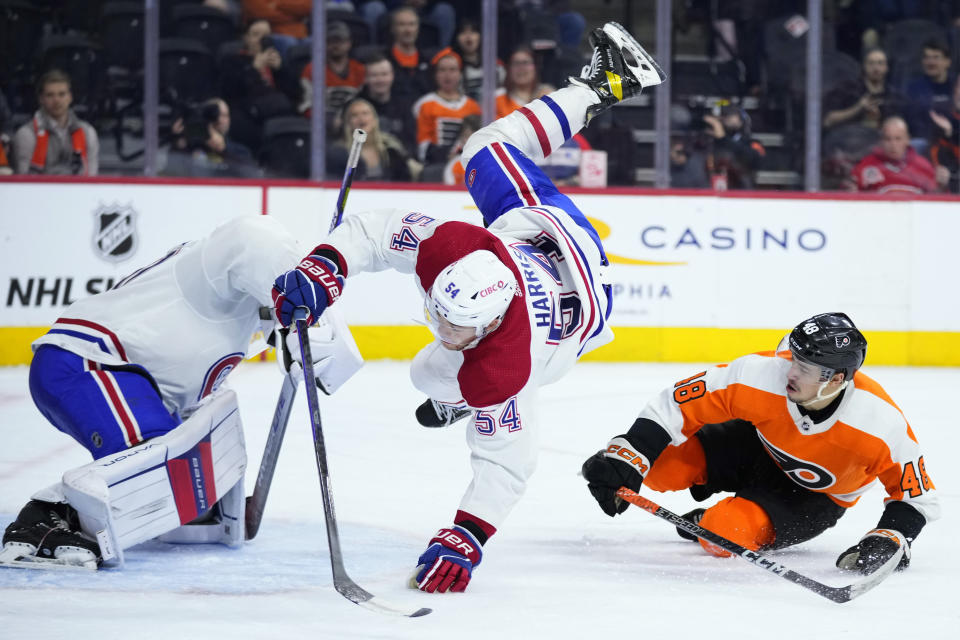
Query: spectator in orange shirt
column 440, row 113
column 344, row 76
column 522, row 84
column 410, row 66
column 286, row 17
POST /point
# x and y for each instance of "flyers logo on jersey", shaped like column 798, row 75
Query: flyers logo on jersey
column 806, row 474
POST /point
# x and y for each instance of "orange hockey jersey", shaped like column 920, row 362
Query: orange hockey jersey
column 439, row 121
column 866, row 439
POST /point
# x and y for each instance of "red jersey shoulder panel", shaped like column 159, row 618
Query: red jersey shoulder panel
column 500, row 365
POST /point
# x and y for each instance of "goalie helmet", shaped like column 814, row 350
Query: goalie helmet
column 473, row 291
column 830, row 341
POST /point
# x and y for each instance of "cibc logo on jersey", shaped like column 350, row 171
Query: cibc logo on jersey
column 806, row 474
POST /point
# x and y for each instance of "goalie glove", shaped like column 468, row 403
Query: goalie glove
column 619, row 465
column 332, row 348
column 874, row 549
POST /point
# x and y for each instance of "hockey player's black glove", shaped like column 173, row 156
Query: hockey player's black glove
column 619, row 465
column 873, row 550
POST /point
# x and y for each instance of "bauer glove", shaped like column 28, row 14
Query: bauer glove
column 314, row 284
column 448, row 562
column 874, row 549
column 619, row 465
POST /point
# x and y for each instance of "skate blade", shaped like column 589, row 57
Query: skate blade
column 15, row 559
column 635, row 57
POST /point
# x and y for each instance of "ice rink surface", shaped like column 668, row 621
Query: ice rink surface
column 558, row 568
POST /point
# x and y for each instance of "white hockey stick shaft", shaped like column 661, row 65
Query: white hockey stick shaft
column 359, row 137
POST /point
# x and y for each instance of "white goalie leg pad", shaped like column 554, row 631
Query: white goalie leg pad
column 144, row 492
column 336, row 357
column 225, row 524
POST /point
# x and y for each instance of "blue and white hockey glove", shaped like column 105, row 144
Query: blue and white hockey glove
column 314, row 284
column 448, row 562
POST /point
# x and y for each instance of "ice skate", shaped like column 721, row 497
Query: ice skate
column 438, row 414
column 46, row 535
column 619, row 69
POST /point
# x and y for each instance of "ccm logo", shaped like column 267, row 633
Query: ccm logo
column 455, row 542
column 633, row 458
column 494, row 287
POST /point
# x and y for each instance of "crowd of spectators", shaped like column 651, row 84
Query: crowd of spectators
column 410, row 73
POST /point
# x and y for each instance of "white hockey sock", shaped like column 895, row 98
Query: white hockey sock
column 539, row 127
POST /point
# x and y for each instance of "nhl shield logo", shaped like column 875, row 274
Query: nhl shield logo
column 842, row 341
column 114, row 232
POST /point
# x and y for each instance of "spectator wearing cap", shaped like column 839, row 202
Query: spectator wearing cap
column 736, row 156
column 395, row 111
column 411, row 66
column 894, row 166
column 344, row 76
column 56, row 141
column 440, row 113
column 929, row 91
column 866, row 102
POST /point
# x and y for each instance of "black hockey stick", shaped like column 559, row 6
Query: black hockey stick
column 278, row 427
column 341, row 581
column 288, row 391
column 836, row 594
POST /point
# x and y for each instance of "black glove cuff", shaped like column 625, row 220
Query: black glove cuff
column 902, row 517
column 648, row 438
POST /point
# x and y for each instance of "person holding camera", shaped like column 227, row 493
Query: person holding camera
column 736, row 155
column 55, row 141
column 201, row 145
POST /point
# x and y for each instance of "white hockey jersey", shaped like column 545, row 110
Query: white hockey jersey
column 187, row 318
column 558, row 314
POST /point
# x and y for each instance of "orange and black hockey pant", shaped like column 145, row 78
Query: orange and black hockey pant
column 737, row 462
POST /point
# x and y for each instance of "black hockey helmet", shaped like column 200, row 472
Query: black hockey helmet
column 831, row 341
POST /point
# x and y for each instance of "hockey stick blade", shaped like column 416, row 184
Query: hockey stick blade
column 341, row 581
column 835, row 594
column 358, row 595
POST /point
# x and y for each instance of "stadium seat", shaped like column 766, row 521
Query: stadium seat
column 904, row 42
column 839, row 69
column 21, row 26
column 121, row 34
column 186, row 70
column 82, row 60
column 285, row 151
column 359, row 29
column 207, row 25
